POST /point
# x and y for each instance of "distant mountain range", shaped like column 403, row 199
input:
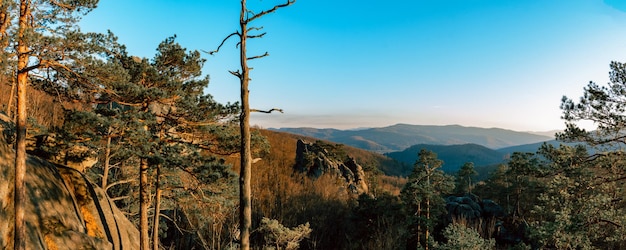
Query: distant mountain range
column 402, row 136
column 454, row 156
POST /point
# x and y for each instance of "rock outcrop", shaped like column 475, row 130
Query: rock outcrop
column 63, row 210
column 316, row 161
column 472, row 207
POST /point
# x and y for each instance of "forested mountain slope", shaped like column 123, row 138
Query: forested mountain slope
column 453, row 156
column 401, row 136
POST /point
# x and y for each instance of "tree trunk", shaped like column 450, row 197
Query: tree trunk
column 419, row 223
column 245, row 193
column 20, row 147
column 427, row 221
column 5, row 21
column 107, row 161
column 427, row 212
column 144, row 240
column 10, row 103
column 157, row 211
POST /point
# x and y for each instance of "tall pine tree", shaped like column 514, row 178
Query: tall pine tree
column 45, row 37
column 423, row 196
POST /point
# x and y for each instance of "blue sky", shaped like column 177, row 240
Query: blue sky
column 349, row 64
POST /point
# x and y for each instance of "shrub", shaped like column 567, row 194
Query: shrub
column 462, row 237
column 277, row 236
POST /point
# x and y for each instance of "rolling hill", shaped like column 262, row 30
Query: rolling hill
column 402, row 136
column 453, row 156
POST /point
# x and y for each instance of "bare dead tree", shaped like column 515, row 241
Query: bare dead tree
column 245, row 18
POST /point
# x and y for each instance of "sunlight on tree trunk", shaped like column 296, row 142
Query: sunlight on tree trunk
column 157, row 210
column 143, row 205
column 245, row 193
column 5, row 21
column 20, row 147
column 10, row 103
column 107, row 161
column 244, row 123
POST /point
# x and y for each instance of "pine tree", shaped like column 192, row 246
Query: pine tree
column 464, row 178
column 154, row 114
column 44, row 33
column 423, row 194
column 523, row 171
column 19, row 236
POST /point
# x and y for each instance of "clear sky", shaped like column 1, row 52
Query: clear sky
column 354, row 63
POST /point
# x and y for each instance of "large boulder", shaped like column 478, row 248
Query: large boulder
column 316, row 161
column 471, row 207
column 63, row 209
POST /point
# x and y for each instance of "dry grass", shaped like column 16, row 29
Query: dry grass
column 45, row 109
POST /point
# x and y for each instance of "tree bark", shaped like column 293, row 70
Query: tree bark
column 20, row 147
column 245, row 208
column 144, row 240
column 107, row 162
column 419, row 223
column 245, row 193
column 10, row 103
column 427, row 213
column 5, row 21
column 157, row 211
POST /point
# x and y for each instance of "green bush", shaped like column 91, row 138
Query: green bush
column 462, row 237
column 278, row 237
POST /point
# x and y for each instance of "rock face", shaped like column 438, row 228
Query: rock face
column 471, row 207
column 316, row 161
column 63, row 210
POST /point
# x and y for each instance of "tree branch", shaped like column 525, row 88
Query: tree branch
column 64, row 6
column 235, row 73
column 267, row 111
column 257, row 57
column 249, row 12
column 611, row 222
column 222, row 44
column 255, row 28
column 263, row 13
column 120, row 198
column 257, row 36
column 118, row 183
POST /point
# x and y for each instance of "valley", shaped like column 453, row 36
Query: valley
column 454, row 144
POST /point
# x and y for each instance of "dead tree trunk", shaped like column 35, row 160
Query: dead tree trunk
column 245, row 213
column 245, row 210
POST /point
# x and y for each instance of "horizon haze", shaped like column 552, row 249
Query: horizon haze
column 350, row 64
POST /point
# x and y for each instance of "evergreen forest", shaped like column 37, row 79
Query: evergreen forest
column 171, row 158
